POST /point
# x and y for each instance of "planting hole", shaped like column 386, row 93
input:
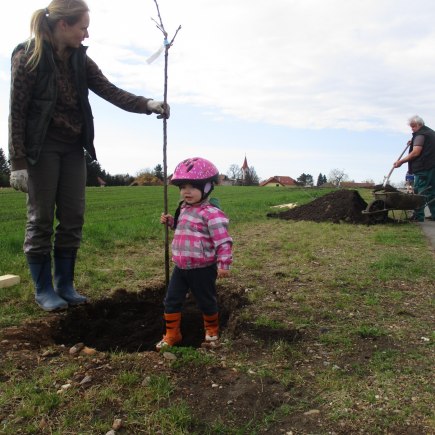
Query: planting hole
column 133, row 322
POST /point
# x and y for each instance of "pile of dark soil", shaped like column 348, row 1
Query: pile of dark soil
column 339, row 206
column 386, row 188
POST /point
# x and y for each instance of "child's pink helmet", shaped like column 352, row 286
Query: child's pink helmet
column 195, row 170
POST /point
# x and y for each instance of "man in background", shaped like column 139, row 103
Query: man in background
column 421, row 160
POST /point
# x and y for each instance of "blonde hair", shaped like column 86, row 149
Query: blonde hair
column 43, row 22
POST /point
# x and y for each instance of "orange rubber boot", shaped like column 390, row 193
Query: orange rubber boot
column 173, row 332
column 211, row 326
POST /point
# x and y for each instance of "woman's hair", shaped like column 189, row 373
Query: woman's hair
column 43, row 22
column 416, row 119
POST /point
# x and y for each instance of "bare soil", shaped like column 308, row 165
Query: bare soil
column 339, row 206
column 131, row 323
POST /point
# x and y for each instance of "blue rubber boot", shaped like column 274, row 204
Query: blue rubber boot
column 64, row 264
column 45, row 296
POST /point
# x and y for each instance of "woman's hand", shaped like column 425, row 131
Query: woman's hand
column 159, row 107
column 18, row 180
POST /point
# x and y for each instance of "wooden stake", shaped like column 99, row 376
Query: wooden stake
column 167, row 45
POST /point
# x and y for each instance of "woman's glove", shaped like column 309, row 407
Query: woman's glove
column 18, row 180
column 159, row 107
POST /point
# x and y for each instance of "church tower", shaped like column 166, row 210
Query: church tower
column 245, row 169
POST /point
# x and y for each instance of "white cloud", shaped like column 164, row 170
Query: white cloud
column 334, row 63
column 358, row 65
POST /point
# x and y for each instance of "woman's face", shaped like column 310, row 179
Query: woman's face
column 73, row 36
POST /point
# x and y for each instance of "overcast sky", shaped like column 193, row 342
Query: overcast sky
column 298, row 86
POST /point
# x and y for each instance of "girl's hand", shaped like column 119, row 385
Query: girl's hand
column 223, row 273
column 165, row 218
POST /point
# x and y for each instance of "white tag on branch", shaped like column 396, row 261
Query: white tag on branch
column 154, row 56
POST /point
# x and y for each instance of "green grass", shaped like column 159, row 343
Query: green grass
column 360, row 296
column 370, row 331
column 121, row 228
column 269, row 323
column 190, row 356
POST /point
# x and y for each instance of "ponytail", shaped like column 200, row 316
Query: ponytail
column 177, row 214
column 41, row 31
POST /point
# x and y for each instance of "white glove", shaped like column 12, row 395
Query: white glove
column 18, row 180
column 160, row 108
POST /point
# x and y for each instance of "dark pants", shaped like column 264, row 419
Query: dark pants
column 56, row 188
column 425, row 184
column 202, row 284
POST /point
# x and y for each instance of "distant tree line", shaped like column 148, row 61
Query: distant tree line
column 336, row 176
column 250, row 177
column 5, row 170
column 307, row 180
column 96, row 176
column 321, row 179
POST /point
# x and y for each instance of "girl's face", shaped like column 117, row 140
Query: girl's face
column 190, row 194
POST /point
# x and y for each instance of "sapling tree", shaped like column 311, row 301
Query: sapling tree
column 167, row 45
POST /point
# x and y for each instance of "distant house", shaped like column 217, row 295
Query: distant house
column 279, row 181
column 101, row 182
column 224, row 180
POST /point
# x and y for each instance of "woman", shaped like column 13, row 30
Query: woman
column 50, row 123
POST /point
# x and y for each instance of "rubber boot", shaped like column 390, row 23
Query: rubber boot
column 64, row 264
column 173, row 331
column 45, row 296
column 211, row 326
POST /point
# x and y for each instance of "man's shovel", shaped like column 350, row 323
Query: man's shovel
column 387, row 178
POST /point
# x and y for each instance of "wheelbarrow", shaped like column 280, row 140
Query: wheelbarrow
column 387, row 198
column 377, row 210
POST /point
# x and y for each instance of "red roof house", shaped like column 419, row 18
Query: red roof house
column 278, row 181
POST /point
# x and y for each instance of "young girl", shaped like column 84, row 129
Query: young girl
column 201, row 249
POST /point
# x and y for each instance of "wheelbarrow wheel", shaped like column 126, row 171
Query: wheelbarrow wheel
column 377, row 212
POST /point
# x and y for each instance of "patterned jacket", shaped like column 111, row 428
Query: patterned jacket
column 201, row 237
column 52, row 101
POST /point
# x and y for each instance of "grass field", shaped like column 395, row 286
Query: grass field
column 336, row 335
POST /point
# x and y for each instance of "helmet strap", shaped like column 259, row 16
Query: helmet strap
column 207, row 188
